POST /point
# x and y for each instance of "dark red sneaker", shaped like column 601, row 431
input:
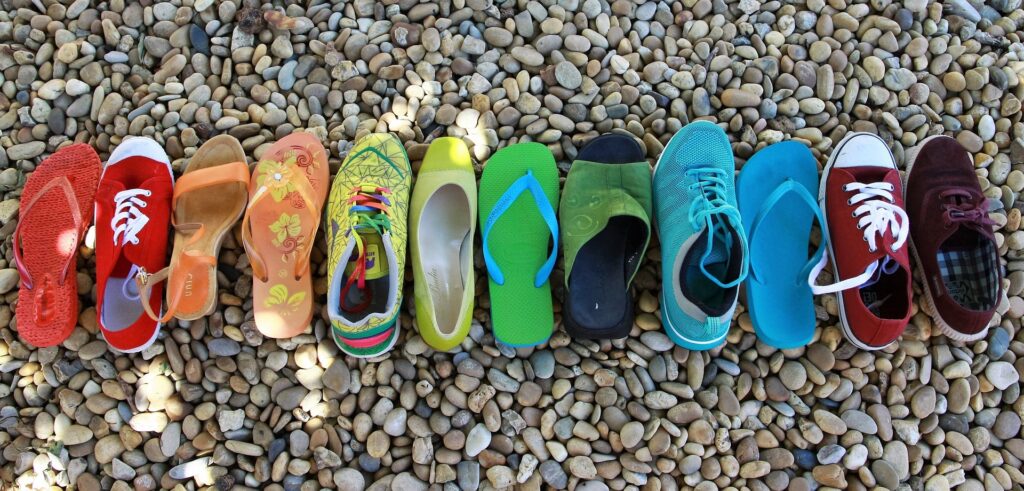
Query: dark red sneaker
column 867, row 231
column 953, row 239
column 133, row 212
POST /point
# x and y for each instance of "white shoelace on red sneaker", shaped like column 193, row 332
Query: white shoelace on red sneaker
column 128, row 218
column 878, row 213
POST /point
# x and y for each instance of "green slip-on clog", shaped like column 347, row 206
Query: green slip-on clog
column 442, row 222
column 518, row 197
column 606, row 227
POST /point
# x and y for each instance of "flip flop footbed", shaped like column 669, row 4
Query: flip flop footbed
column 56, row 207
column 287, row 192
column 780, row 301
column 519, row 242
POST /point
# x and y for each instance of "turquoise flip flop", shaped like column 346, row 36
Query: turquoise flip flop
column 776, row 199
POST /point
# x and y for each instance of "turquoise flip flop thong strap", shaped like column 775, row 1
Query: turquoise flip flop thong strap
column 520, row 186
column 818, row 261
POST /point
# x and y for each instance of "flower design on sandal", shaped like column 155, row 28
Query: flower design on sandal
column 279, row 295
column 276, row 176
column 286, row 231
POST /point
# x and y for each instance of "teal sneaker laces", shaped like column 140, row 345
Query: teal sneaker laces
column 712, row 211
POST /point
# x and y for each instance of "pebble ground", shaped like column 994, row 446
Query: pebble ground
column 213, row 403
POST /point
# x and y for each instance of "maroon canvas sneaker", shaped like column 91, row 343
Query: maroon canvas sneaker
column 867, row 230
column 952, row 238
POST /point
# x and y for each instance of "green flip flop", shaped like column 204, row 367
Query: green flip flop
column 518, row 198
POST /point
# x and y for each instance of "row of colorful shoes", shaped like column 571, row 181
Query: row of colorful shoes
column 134, row 198
column 715, row 235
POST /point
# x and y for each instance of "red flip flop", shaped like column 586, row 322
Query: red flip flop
column 55, row 211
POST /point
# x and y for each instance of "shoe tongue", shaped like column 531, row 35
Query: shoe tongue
column 376, row 256
column 721, row 243
column 884, row 266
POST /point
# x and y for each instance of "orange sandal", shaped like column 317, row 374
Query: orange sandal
column 55, row 211
column 286, row 196
column 208, row 199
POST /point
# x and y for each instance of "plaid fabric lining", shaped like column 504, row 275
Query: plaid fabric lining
column 971, row 276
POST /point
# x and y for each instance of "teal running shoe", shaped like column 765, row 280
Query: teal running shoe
column 703, row 244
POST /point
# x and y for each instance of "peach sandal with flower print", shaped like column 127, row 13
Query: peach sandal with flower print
column 286, row 194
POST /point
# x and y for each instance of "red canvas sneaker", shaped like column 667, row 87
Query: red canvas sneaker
column 952, row 238
column 867, row 231
column 133, row 211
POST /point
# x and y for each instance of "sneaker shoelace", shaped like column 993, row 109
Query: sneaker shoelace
column 128, row 218
column 960, row 207
column 878, row 213
column 712, row 211
column 370, row 209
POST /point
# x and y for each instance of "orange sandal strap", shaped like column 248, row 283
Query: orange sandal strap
column 177, row 278
column 255, row 259
column 211, row 176
column 65, row 185
column 145, row 281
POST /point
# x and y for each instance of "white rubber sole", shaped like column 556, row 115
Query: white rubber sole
column 692, row 344
column 844, row 323
column 927, row 303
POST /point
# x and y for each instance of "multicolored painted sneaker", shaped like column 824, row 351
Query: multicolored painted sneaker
column 704, row 246
column 366, row 240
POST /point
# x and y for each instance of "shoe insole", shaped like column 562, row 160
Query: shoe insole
column 121, row 305
column 372, row 298
column 447, row 218
column 886, row 298
column 722, row 264
column 598, row 294
column 967, row 278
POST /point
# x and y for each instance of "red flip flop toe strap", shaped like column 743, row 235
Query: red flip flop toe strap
column 65, row 185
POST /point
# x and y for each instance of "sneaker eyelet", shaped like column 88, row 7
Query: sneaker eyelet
column 849, row 202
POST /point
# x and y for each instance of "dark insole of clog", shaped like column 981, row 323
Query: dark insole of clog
column 598, row 297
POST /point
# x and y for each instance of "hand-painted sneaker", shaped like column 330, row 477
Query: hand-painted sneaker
column 704, row 247
column 366, row 240
column 133, row 212
column 952, row 238
column 867, row 229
